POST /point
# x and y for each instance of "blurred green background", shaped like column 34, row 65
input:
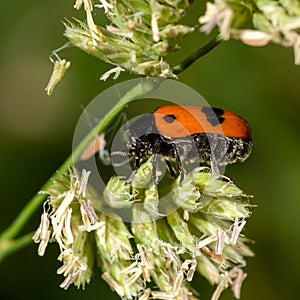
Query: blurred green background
column 36, row 131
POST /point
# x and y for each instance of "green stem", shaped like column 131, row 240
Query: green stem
column 8, row 247
column 7, row 244
column 197, row 54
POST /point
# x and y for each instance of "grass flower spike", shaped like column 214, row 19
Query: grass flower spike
column 157, row 254
column 140, row 35
column 256, row 22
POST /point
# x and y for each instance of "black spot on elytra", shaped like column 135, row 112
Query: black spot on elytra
column 169, row 118
column 214, row 115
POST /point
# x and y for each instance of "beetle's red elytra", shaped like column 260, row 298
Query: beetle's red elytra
column 179, row 121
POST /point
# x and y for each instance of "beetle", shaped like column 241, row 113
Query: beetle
column 189, row 134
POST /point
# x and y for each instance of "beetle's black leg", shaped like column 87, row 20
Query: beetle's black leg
column 136, row 165
column 214, row 166
column 171, row 169
column 176, row 155
column 181, row 171
column 213, row 158
column 154, row 169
